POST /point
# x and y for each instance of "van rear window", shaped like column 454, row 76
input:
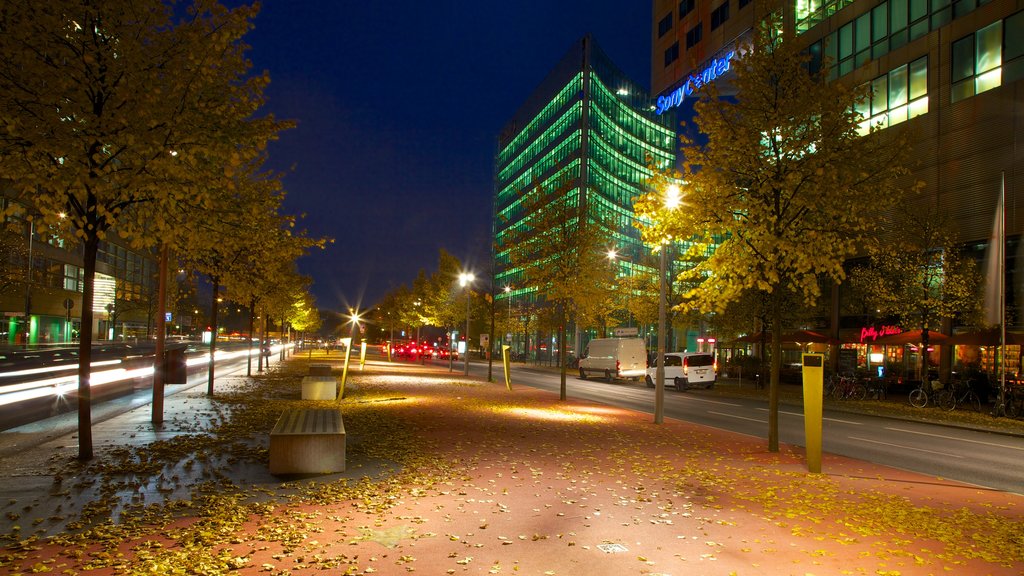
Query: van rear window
column 700, row 360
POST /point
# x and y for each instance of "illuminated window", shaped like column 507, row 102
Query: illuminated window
column 977, row 62
column 896, row 97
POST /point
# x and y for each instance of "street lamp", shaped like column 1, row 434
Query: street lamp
column 673, row 197
column 508, row 296
column 465, row 279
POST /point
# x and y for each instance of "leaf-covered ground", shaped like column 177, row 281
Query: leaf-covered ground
column 450, row 476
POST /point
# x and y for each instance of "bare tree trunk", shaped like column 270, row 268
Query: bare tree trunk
column 158, row 355
column 252, row 327
column 85, row 452
column 773, row 387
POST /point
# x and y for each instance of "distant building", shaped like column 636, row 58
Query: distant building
column 589, row 123
column 950, row 69
column 44, row 278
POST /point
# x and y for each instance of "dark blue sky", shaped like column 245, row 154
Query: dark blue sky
column 398, row 106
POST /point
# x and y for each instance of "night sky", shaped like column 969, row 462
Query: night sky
column 398, row 106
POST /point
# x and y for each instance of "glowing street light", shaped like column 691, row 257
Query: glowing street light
column 465, row 280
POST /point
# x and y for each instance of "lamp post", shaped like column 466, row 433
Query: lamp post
column 508, row 296
column 28, row 284
column 465, row 279
column 672, row 199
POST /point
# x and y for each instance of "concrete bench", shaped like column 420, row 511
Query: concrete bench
column 308, row 441
column 319, row 388
column 319, row 369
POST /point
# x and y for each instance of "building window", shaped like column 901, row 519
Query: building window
column 685, row 7
column 719, row 15
column 73, row 278
column 1013, row 48
column 694, row 35
column 896, row 97
column 977, row 62
column 672, row 54
column 743, row 3
column 665, row 25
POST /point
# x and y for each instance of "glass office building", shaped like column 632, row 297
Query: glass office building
column 594, row 132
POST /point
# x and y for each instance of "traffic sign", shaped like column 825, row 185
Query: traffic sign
column 625, row 332
column 69, row 303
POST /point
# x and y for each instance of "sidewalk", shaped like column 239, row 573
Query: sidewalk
column 448, row 475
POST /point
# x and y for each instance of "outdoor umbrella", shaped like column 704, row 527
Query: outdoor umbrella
column 799, row 336
column 911, row 337
column 808, row 337
column 986, row 337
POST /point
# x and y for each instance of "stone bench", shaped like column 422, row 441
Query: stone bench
column 319, row 369
column 319, row 388
column 308, row 441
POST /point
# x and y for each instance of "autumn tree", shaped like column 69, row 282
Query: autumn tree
column 779, row 187
column 560, row 246
column 109, row 106
column 919, row 274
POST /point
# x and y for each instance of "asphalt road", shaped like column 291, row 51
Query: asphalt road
column 984, row 459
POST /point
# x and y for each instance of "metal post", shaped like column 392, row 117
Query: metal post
column 659, row 388
column 465, row 360
column 28, row 284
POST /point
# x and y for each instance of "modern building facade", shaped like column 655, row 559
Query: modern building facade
column 43, row 281
column 950, row 69
column 590, row 126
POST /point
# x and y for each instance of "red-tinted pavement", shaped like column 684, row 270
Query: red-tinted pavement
column 453, row 476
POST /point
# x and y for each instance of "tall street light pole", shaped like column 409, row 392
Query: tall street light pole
column 28, row 284
column 465, row 279
column 672, row 200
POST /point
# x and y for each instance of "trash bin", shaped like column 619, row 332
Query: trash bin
column 175, row 370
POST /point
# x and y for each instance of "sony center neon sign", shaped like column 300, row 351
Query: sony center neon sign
column 713, row 70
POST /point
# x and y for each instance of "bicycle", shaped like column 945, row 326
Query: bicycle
column 933, row 392
column 849, row 388
column 961, row 393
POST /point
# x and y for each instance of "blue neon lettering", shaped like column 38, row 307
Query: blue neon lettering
column 712, row 71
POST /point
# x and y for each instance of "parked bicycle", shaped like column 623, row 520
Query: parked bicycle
column 928, row 391
column 961, row 393
column 848, row 388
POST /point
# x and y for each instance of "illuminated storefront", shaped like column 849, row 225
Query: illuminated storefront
column 590, row 125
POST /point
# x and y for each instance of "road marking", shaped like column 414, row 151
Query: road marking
column 735, row 416
column 904, row 447
column 695, row 399
column 800, row 414
column 1021, row 448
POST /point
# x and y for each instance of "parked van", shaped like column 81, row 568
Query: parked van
column 686, row 370
column 614, row 358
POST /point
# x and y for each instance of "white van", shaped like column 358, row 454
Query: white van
column 686, row 370
column 614, row 358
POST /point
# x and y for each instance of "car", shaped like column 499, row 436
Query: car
column 686, row 370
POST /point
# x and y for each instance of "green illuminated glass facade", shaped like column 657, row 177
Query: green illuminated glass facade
column 588, row 123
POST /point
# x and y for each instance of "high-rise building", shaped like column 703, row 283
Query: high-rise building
column 593, row 131
column 949, row 70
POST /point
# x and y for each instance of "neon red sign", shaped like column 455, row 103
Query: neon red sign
column 872, row 333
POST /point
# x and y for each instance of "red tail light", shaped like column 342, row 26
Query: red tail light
column 617, row 367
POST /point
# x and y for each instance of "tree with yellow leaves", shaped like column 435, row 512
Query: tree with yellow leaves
column 114, row 114
column 780, row 190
